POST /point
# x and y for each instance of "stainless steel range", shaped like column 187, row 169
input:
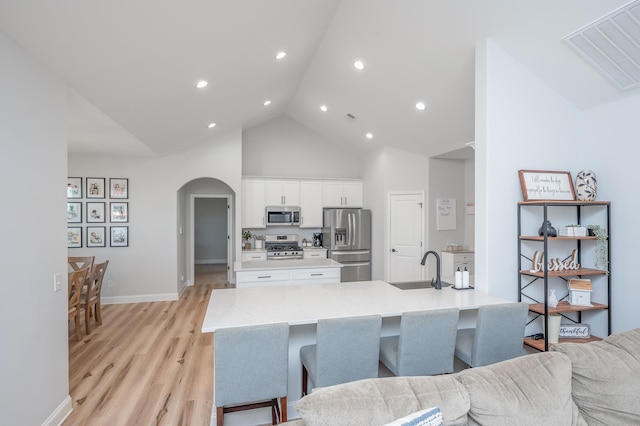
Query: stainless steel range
column 282, row 247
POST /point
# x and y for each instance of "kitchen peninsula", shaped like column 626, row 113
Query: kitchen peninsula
column 301, row 306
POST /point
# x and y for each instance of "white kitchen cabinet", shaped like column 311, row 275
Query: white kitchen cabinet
column 314, row 253
column 260, row 278
column 283, row 193
column 286, row 272
column 315, row 276
column 451, row 261
column 249, row 255
column 342, row 194
column 253, row 203
column 311, row 204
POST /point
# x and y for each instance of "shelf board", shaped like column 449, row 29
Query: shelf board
column 566, row 273
column 563, row 203
column 539, row 238
column 565, row 306
column 539, row 344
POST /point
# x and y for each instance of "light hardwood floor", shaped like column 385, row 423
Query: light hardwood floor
column 148, row 364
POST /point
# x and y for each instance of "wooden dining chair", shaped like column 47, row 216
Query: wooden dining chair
column 90, row 300
column 76, row 282
column 79, row 262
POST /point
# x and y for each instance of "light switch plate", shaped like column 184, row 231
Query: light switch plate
column 57, row 282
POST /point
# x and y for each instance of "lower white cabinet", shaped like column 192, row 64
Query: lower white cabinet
column 451, row 261
column 315, row 253
column 248, row 256
column 287, row 277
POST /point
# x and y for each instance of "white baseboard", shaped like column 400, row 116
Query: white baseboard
column 60, row 414
column 117, row 300
column 209, row 261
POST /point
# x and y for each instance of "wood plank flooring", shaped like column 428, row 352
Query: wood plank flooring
column 148, row 364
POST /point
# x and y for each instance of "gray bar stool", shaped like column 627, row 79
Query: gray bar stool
column 347, row 349
column 499, row 335
column 425, row 345
column 251, row 369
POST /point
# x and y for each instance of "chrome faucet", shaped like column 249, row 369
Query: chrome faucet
column 437, row 283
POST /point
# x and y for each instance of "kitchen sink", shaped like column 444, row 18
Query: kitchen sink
column 415, row 285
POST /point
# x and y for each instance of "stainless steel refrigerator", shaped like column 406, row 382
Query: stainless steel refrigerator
column 346, row 234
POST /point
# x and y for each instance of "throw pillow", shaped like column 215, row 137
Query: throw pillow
column 428, row 417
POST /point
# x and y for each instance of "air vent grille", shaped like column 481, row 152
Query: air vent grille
column 612, row 45
column 350, row 117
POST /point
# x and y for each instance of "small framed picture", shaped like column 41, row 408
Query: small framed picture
column 74, row 187
column 119, row 188
column 74, row 212
column 119, row 236
column 546, row 185
column 74, row 237
column 95, row 187
column 95, row 212
column 95, row 236
column 119, row 212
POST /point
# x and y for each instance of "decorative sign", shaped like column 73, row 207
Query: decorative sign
column 555, row 264
column 575, row 331
column 446, row 214
column 546, row 185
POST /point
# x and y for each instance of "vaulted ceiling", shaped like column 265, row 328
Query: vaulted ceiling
column 132, row 65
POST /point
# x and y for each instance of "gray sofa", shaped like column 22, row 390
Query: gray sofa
column 595, row 383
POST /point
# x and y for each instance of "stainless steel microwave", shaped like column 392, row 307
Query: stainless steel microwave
column 283, row 216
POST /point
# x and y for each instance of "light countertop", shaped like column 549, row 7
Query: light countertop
column 269, row 265
column 305, row 304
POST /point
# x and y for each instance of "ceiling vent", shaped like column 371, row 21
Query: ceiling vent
column 612, row 45
column 350, row 117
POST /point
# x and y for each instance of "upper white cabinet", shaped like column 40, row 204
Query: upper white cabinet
column 311, row 204
column 283, row 193
column 342, row 194
column 253, row 203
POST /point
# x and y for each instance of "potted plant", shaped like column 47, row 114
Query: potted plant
column 246, row 236
column 601, row 245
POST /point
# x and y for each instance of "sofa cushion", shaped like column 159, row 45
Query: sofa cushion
column 528, row 390
column 379, row 401
column 606, row 378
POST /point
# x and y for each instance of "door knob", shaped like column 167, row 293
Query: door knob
column 393, row 250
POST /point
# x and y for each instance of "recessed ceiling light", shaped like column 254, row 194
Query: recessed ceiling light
column 202, row 84
column 281, row 55
column 421, row 106
column 211, row 125
column 359, row 65
column 324, row 108
column 369, row 135
column 267, row 103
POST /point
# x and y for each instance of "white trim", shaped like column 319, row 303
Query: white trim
column 60, row 414
column 191, row 251
column 139, row 298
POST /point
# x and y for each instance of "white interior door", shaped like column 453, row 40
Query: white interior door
column 406, row 233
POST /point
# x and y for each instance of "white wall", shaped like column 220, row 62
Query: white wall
column 282, row 147
column 524, row 124
column 149, row 269
column 34, row 375
column 387, row 170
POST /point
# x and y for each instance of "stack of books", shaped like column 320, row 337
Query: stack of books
column 572, row 231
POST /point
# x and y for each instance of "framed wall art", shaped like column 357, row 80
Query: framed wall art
column 119, row 236
column 95, row 236
column 95, row 212
column 74, row 187
column 119, row 188
column 95, row 187
column 74, row 237
column 119, row 212
column 74, row 212
column 546, row 185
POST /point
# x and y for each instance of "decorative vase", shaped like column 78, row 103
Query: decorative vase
column 551, row 231
column 586, row 186
column 553, row 299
